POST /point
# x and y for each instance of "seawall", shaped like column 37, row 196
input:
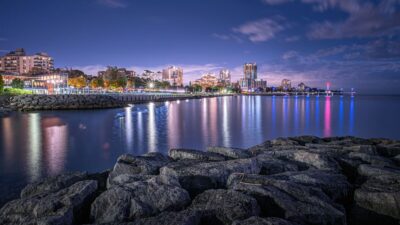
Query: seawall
column 90, row 101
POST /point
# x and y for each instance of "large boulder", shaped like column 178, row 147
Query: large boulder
column 179, row 154
column 272, row 165
column 138, row 199
column 307, row 159
column 186, row 217
column 389, row 149
column 148, row 164
column 233, row 153
column 304, row 204
column 255, row 220
column 381, row 195
column 226, row 205
column 199, row 177
column 66, row 206
column 52, row 184
column 368, row 171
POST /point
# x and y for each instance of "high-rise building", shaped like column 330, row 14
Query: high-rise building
column 225, row 77
column 250, row 71
column 151, row 75
column 174, row 75
column 17, row 62
column 286, row 84
column 250, row 82
column 115, row 72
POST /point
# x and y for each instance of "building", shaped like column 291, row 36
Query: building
column 249, row 82
column 250, row 71
column 225, row 77
column 56, row 82
column 174, row 75
column 113, row 73
column 18, row 62
column 206, row 81
column 302, row 87
column 286, row 84
column 154, row 76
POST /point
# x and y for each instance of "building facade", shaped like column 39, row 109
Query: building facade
column 174, row 75
column 115, row 73
column 206, row 81
column 286, row 84
column 249, row 82
column 250, row 71
column 225, row 77
column 154, row 76
column 17, row 62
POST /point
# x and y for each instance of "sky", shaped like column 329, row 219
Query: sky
column 349, row 43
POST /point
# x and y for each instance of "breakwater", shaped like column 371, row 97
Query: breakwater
column 91, row 101
column 298, row 180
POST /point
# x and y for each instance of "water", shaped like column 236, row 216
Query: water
column 38, row 144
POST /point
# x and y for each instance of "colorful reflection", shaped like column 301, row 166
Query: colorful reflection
column 327, row 117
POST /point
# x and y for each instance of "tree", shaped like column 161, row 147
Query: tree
column 1, row 84
column 77, row 82
column 97, row 83
column 17, row 83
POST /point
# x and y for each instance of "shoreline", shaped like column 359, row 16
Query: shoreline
column 296, row 180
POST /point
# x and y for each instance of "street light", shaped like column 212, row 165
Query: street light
column 151, row 85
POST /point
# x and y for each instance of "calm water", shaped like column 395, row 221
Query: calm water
column 33, row 145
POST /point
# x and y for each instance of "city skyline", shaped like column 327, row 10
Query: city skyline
column 348, row 43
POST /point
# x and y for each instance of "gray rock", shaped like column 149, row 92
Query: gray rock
column 373, row 171
column 234, row 153
column 179, row 154
column 370, row 159
column 226, row 205
column 307, row 158
column 136, row 200
column 255, row 220
column 306, row 139
column 334, row 185
column 380, row 194
column 396, row 159
column 389, row 150
column 148, row 164
column 271, row 165
column 128, row 178
column 63, row 207
column 283, row 141
column 52, row 184
column 208, row 175
column 186, row 217
column 367, row 149
column 292, row 201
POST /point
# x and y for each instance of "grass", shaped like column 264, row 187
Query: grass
column 15, row 91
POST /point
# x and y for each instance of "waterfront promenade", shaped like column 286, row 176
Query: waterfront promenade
column 92, row 101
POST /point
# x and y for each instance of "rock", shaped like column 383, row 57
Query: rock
column 380, row 194
column 292, row 201
column 136, row 200
column 261, row 148
column 271, row 165
column 186, row 217
column 367, row 149
column 396, row 159
column 52, row 184
column 255, row 220
column 199, row 177
column 234, row 153
column 128, row 178
column 389, row 150
column 148, row 164
column 67, row 206
column 373, row 171
column 370, row 159
column 303, row 140
column 283, row 141
column 179, row 154
column 226, row 205
column 307, row 159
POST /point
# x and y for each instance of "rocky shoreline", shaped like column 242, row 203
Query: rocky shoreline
column 286, row 181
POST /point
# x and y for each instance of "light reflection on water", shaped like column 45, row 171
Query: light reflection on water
column 33, row 145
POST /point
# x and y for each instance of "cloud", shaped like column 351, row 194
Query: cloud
column 364, row 21
column 226, row 37
column 292, row 38
column 276, row 2
column 290, row 55
column 113, row 3
column 260, row 30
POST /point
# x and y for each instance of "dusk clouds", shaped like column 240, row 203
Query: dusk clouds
column 260, row 30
